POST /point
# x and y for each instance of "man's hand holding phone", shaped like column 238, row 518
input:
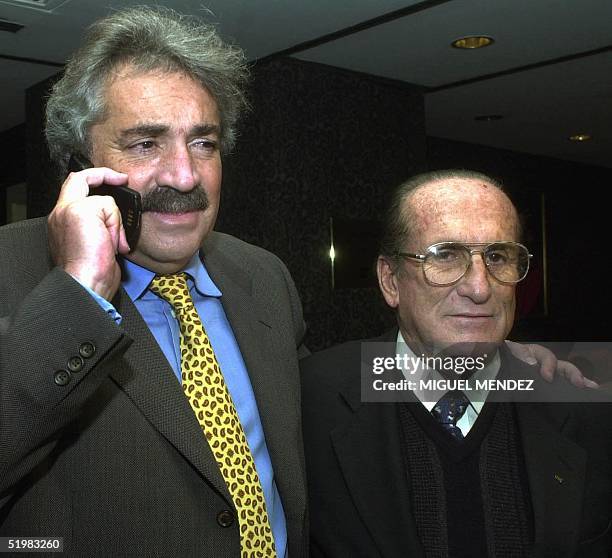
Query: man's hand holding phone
column 85, row 232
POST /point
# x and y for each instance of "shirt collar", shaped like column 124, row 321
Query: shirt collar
column 477, row 397
column 136, row 279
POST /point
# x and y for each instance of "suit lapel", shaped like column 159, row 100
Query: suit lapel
column 556, row 470
column 555, row 465
column 147, row 378
column 276, row 389
column 369, row 451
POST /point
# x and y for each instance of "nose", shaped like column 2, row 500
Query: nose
column 177, row 169
column 476, row 283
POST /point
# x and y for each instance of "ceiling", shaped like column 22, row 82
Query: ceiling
column 548, row 73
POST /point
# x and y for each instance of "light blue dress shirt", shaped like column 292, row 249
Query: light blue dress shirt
column 159, row 316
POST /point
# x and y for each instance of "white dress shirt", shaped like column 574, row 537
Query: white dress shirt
column 477, row 397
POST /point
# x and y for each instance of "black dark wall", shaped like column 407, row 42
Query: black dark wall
column 13, row 162
column 321, row 143
column 13, row 149
column 42, row 176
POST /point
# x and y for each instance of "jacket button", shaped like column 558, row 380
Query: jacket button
column 75, row 364
column 225, row 518
column 87, row 349
column 62, row 377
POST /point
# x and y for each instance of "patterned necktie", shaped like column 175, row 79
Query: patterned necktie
column 205, row 388
column 448, row 410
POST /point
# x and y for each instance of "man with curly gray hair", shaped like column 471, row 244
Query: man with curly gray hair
column 149, row 401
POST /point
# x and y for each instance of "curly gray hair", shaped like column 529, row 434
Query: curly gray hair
column 147, row 39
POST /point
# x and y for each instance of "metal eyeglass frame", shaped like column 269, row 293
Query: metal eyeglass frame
column 471, row 251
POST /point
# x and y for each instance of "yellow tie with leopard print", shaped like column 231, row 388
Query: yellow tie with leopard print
column 212, row 403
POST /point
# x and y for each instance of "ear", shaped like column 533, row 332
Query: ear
column 387, row 281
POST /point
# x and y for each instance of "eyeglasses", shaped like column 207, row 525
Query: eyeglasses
column 445, row 263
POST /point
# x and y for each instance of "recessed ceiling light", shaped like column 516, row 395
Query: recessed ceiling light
column 488, row 117
column 473, row 41
column 580, row 137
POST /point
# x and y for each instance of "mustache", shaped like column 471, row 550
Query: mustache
column 169, row 200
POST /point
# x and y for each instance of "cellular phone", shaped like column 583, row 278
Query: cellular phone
column 127, row 200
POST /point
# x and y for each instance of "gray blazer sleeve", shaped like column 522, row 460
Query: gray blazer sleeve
column 48, row 325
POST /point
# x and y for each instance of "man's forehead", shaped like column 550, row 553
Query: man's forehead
column 150, row 82
column 158, row 98
column 455, row 190
column 454, row 195
column 129, row 71
column 460, row 208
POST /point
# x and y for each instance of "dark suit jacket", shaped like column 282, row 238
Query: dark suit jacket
column 359, row 498
column 114, row 461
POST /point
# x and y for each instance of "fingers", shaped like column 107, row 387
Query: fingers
column 76, row 186
column 572, row 373
column 547, row 361
column 590, row 384
column 549, row 365
column 114, row 222
column 522, row 352
column 122, row 246
column 86, row 233
column 535, row 354
column 109, row 214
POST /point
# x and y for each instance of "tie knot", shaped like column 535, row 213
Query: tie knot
column 172, row 288
column 449, row 409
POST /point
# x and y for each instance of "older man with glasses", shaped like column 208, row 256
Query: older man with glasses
column 446, row 471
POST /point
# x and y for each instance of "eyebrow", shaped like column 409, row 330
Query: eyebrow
column 205, row 129
column 154, row 130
